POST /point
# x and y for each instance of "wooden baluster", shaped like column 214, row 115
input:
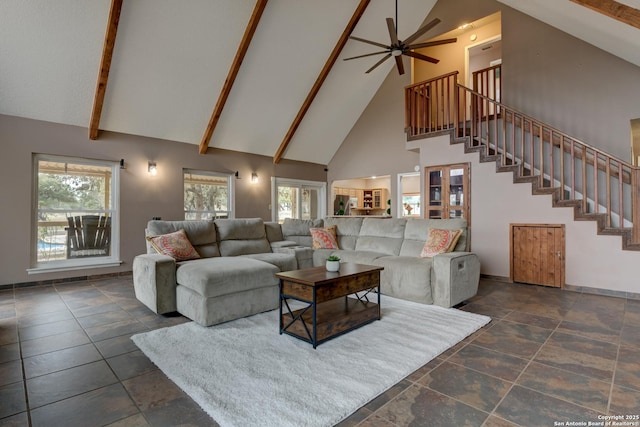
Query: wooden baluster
column 477, row 118
column 504, row 137
column 531, row 147
column 541, row 156
column 407, row 109
column 585, row 193
column 522, row 136
column 448, row 104
column 513, row 135
column 620, row 196
column 486, row 121
column 440, row 123
column 552, row 181
column 573, row 170
column 608, row 176
column 456, row 110
column 422, row 110
column 635, row 203
column 596, row 203
column 562, row 167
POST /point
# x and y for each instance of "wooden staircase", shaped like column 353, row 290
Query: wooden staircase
column 598, row 186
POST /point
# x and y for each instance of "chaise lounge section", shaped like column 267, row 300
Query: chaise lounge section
column 231, row 276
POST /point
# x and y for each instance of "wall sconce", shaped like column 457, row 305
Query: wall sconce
column 153, row 169
column 122, row 165
column 254, row 178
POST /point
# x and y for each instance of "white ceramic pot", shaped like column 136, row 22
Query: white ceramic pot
column 333, row 265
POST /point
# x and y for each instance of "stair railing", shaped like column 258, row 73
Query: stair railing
column 430, row 105
column 598, row 185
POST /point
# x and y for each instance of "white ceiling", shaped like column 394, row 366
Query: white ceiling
column 171, row 59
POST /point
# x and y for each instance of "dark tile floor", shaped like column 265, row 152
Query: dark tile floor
column 549, row 356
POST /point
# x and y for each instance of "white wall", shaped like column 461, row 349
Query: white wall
column 591, row 260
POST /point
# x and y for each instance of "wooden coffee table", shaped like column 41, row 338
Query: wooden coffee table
column 329, row 310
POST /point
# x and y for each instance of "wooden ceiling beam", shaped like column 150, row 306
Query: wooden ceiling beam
column 613, row 9
column 342, row 41
column 233, row 73
column 105, row 66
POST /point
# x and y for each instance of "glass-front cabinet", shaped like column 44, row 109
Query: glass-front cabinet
column 447, row 191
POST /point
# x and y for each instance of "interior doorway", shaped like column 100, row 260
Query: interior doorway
column 635, row 142
column 481, row 55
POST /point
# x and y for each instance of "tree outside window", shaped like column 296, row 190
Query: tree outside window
column 207, row 195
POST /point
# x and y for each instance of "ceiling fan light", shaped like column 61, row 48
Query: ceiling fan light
column 396, row 52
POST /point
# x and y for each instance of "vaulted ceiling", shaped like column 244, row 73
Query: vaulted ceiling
column 171, row 60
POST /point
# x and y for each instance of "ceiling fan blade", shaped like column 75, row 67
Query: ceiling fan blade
column 387, row 56
column 393, row 35
column 421, row 56
column 369, row 42
column 433, row 43
column 367, row 54
column 399, row 64
column 421, row 31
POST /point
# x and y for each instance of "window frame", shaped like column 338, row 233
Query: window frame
column 111, row 260
column 320, row 186
column 230, row 189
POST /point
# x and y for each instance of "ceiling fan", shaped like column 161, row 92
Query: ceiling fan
column 397, row 48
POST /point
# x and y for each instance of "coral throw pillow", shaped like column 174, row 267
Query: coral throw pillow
column 324, row 238
column 175, row 245
column 440, row 241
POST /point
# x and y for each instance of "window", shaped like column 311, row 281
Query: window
column 410, row 196
column 207, row 195
column 75, row 210
column 297, row 199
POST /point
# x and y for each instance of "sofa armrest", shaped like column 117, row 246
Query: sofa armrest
column 454, row 277
column 154, row 282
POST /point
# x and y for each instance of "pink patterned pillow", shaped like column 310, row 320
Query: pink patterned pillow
column 175, row 245
column 440, row 241
column 324, row 238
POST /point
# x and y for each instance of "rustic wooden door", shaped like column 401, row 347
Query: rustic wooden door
column 537, row 254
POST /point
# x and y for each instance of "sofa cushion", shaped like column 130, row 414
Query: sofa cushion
column 274, row 231
column 298, row 230
column 381, row 235
column 359, row 257
column 439, row 241
column 176, row 245
column 284, row 261
column 417, row 231
column 201, row 234
column 347, row 231
column 212, row 277
column 242, row 236
column 324, row 238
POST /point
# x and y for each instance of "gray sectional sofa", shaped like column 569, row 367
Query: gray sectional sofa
column 235, row 276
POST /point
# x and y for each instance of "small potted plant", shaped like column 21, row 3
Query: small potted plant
column 333, row 263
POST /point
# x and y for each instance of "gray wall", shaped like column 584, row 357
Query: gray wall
column 569, row 84
column 141, row 196
column 375, row 145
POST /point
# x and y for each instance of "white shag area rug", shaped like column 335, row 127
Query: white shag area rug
column 244, row 373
